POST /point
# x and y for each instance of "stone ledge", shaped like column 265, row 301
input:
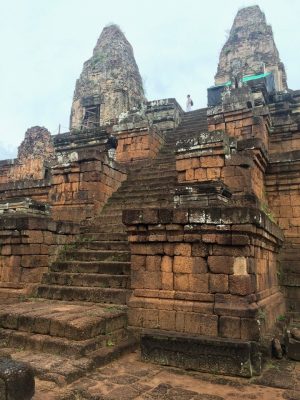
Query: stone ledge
column 194, row 218
column 206, row 354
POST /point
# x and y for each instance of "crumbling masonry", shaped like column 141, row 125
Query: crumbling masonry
column 187, row 244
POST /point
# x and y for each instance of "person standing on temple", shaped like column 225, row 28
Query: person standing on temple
column 111, row 146
column 189, row 103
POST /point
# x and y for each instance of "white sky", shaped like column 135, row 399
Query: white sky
column 176, row 45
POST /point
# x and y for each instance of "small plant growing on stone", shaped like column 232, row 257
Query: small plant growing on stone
column 281, row 318
column 261, row 315
column 110, row 343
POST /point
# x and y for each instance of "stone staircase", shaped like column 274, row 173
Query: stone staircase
column 78, row 319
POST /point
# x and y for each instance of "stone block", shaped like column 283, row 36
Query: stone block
column 250, row 329
column 230, row 327
column 152, row 280
column 181, row 282
column 241, row 284
column 221, row 264
column 167, row 264
column 218, row 283
column 138, row 262
column 198, row 283
column 153, row 263
column 199, row 249
column 17, row 380
column 189, row 265
column 212, row 161
column 183, row 249
column 213, row 173
column 167, row 280
column 213, row 355
column 167, row 320
column 209, row 326
column 200, row 174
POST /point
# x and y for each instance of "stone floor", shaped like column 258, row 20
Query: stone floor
column 130, row 379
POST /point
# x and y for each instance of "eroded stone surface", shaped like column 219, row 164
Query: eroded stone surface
column 249, row 48
column 109, row 84
column 108, row 383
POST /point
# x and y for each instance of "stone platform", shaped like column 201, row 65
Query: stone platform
column 130, row 379
column 63, row 341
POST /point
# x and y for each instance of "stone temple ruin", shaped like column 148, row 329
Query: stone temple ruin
column 186, row 245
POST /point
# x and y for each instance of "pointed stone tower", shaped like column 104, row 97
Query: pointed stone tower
column 109, row 84
column 250, row 49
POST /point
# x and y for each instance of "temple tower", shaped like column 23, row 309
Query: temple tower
column 110, row 82
column 250, row 49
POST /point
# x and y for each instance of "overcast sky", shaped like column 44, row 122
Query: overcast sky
column 176, row 45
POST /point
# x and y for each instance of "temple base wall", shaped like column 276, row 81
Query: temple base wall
column 204, row 272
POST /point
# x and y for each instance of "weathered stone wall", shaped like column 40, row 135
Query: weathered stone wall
column 250, row 49
column 35, row 156
column 215, row 157
column 138, row 144
column 80, row 189
column 282, row 187
column 36, row 190
column 109, row 84
column 209, row 272
column 29, row 240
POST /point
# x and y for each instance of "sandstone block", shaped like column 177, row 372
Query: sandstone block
column 189, row 265
column 212, row 161
column 167, row 280
column 218, row 283
column 167, row 264
column 230, row 327
column 138, row 262
column 167, row 320
column 152, row 280
column 183, row 249
column 209, row 325
column 198, row 283
column 190, row 174
column 221, row 264
column 241, row 284
column 213, row 173
column 250, row 329
column 200, row 174
column 153, row 263
column 181, row 282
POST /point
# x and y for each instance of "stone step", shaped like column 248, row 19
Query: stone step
column 112, row 212
column 105, row 235
column 138, row 203
column 58, row 345
column 105, row 244
column 115, row 229
column 149, row 174
column 77, row 293
column 92, row 267
column 63, row 320
column 86, row 280
column 195, row 122
column 97, row 255
column 151, row 182
column 63, row 370
column 144, row 192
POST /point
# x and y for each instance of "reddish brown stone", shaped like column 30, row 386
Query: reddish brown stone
column 218, row 283
column 241, row 284
column 221, row 264
column 230, row 327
